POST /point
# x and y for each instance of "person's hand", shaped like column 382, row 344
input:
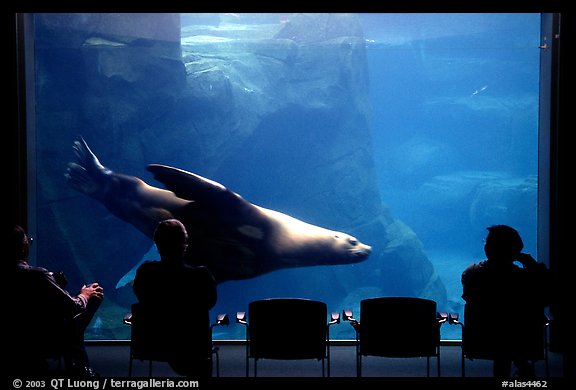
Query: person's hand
column 93, row 291
column 526, row 260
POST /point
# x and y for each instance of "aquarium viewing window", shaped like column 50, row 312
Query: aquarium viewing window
column 411, row 133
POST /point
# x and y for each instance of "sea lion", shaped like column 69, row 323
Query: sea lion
column 234, row 238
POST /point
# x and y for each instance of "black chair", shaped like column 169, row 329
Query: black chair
column 152, row 339
column 287, row 329
column 38, row 350
column 40, row 334
column 397, row 327
column 491, row 336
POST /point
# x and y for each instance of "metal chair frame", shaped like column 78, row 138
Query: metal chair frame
column 241, row 318
column 453, row 319
column 357, row 325
column 221, row 320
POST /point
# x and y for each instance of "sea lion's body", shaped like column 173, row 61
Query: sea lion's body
column 234, row 238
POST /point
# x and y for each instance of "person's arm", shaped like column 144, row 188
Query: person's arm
column 211, row 288
column 539, row 277
column 69, row 305
column 529, row 263
column 465, row 280
column 206, row 286
column 137, row 284
column 145, row 285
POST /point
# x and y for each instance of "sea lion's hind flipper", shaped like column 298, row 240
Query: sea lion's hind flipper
column 86, row 158
column 86, row 174
column 188, row 185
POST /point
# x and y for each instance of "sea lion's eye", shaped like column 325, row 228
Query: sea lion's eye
column 353, row 241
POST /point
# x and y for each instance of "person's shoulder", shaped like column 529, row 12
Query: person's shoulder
column 33, row 270
column 149, row 266
column 198, row 270
column 475, row 266
column 195, row 268
column 32, row 276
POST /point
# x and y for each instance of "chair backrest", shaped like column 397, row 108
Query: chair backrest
column 147, row 335
column 515, row 332
column 37, row 326
column 164, row 336
column 398, row 327
column 287, row 328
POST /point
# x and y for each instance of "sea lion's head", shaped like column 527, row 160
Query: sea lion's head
column 350, row 250
column 299, row 244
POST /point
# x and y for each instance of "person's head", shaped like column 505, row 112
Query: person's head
column 171, row 239
column 19, row 244
column 503, row 243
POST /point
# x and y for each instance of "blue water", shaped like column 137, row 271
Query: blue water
column 453, row 127
column 455, row 105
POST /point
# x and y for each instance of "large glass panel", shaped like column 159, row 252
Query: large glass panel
column 410, row 132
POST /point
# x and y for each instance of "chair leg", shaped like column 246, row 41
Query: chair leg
column 216, row 361
column 427, row 366
column 247, row 361
column 327, row 358
column 546, row 362
column 358, row 356
column 150, row 368
column 59, row 362
column 130, row 366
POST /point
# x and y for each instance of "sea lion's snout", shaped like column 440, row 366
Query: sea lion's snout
column 356, row 251
column 361, row 252
column 364, row 251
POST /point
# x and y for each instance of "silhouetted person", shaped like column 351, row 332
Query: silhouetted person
column 43, row 319
column 181, row 297
column 505, row 302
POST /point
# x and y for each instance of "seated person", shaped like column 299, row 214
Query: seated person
column 179, row 297
column 505, row 304
column 45, row 320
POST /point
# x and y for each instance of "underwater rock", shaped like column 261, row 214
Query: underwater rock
column 321, row 27
column 512, row 199
column 284, row 122
column 484, row 197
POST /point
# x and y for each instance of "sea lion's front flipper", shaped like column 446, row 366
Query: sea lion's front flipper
column 247, row 218
column 188, row 185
